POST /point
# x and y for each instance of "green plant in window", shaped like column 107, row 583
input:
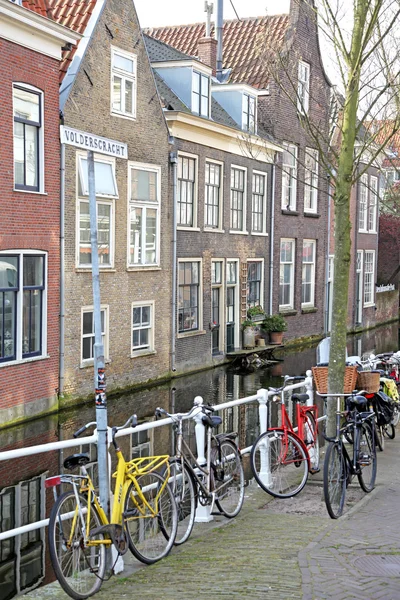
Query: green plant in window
column 274, row 323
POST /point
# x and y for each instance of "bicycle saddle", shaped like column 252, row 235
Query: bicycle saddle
column 302, row 398
column 76, row 460
column 357, row 400
column 211, row 421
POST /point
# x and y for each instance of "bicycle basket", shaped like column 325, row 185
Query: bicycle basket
column 320, row 375
column 368, row 381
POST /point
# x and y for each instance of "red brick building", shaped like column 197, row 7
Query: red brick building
column 30, row 50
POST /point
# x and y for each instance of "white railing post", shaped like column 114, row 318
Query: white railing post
column 265, row 470
column 308, row 382
column 203, row 513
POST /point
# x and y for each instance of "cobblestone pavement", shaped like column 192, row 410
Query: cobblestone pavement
column 281, row 549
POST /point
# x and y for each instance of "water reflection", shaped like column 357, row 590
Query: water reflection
column 24, row 563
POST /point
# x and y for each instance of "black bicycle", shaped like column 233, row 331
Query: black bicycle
column 339, row 466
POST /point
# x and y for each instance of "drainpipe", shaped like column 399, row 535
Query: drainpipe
column 219, row 31
column 173, row 159
column 271, row 249
column 326, row 315
column 62, row 272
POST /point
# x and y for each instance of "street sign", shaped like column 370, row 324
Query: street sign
column 95, row 143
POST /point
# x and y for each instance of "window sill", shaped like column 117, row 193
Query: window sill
column 123, row 116
column 370, row 305
column 312, row 215
column 293, row 213
column 22, row 361
column 30, row 192
column 89, row 269
column 90, row 363
column 191, row 333
column 305, row 310
column 140, row 353
column 143, row 268
column 212, row 230
column 259, row 233
column 287, row 312
column 186, row 228
column 367, row 232
column 236, row 232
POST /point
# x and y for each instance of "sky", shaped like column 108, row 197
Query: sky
column 154, row 13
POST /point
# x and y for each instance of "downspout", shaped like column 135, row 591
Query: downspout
column 271, row 249
column 62, row 272
column 173, row 159
column 328, row 245
column 353, row 325
column 219, row 31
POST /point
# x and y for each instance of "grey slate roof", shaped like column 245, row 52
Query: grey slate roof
column 160, row 52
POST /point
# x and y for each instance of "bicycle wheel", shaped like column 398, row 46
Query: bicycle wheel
column 311, row 440
column 389, row 431
column 151, row 523
column 379, row 439
column 366, row 458
column 78, row 566
column 334, row 480
column 184, row 492
column 228, row 478
column 396, row 417
column 279, row 464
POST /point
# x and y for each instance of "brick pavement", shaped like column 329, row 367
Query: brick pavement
column 280, row 550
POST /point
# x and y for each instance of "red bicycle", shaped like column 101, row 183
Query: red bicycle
column 282, row 457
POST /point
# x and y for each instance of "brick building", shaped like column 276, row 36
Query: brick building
column 300, row 220
column 30, row 47
column 223, row 173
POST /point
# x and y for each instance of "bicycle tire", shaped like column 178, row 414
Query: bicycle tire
column 396, row 417
column 379, row 440
column 185, row 493
column 228, row 478
column 335, row 476
column 366, row 458
column 79, row 569
column 280, row 479
column 311, row 439
column 389, row 431
column 150, row 536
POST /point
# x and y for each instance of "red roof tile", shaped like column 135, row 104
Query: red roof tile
column 243, row 44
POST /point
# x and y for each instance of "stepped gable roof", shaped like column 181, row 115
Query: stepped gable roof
column 243, row 44
column 73, row 14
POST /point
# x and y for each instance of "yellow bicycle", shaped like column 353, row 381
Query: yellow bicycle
column 144, row 518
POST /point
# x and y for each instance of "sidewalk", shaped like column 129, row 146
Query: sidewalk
column 281, row 549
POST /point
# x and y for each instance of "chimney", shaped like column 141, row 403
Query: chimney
column 207, row 52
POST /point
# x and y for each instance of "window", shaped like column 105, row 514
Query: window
column 188, row 296
column 88, row 334
column 186, row 190
column 369, row 277
column 27, row 138
column 217, row 268
column 308, row 273
column 22, row 305
column 144, row 205
column 238, row 186
column 258, row 205
column 142, row 328
column 254, row 283
column 286, row 274
column 363, row 202
column 105, row 187
column 213, row 195
column 200, row 94
column 140, row 444
column 123, row 83
column 289, row 177
column 311, row 180
column 373, row 204
column 303, row 88
column 249, row 113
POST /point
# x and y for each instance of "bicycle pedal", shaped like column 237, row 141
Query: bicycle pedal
column 314, row 471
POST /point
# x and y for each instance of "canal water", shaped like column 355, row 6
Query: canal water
column 24, row 562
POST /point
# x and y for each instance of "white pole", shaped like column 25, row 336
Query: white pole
column 203, row 513
column 265, row 468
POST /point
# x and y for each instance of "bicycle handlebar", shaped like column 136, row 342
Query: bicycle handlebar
column 82, row 429
column 159, row 412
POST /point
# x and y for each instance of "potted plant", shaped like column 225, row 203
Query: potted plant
column 249, row 334
column 275, row 325
column 255, row 313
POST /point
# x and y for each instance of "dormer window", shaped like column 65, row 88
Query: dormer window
column 200, row 94
column 248, row 113
column 303, row 88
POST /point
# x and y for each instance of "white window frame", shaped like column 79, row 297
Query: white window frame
column 249, row 120
column 372, row 204
column 292, row 241
column 244, row 228
column 19, row 307
column 124, row 76
column 261, row 262
column 200, row 95
column 221, row 286
column 150, row 348
column 311, row 303
column 105, row 336
column 303, row 87
column 289, row 171
column 264, row 202
column 195, row 192
column 108, row 200
column 199, row 330
column 221, row 196
column 144, row 205
column 369, row 279
column 363, row 204
column 41, row 166
column 311, row 181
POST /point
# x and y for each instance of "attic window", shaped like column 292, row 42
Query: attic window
column 123, row 83
column 303, row 88
column 248, row 113
column 200, row 94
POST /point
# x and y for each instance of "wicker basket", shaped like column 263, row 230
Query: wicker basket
column 320, row 375
column 368, row 381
